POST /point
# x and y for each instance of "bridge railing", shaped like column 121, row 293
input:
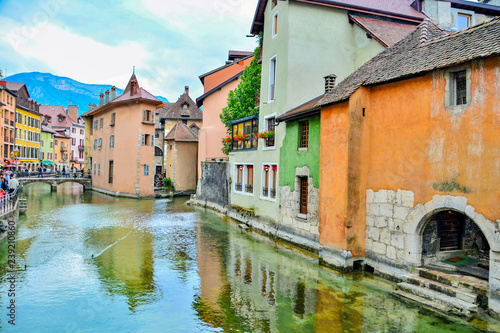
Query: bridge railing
column 36, row 174
column 8, row 202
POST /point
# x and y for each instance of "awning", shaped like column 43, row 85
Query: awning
column 47, row 162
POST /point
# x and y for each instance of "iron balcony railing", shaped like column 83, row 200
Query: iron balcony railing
column 238, row 187
column 273, row 193
column 249, row 188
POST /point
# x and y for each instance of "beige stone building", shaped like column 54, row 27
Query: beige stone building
column 181, row 156
column 184, row 111
column 120, row 142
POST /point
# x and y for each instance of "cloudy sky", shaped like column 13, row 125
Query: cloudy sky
column 170, row 42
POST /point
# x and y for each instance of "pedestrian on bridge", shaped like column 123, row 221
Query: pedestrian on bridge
column 13, row 183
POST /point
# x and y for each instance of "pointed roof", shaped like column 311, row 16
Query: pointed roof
column 142, row 95
column 57, row 116
column 181, row 132
column 176, row 110
column 133, row 78
column 426, row 49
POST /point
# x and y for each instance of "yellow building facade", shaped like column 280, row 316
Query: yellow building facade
column 28, row 126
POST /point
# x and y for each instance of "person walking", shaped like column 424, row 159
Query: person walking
column 13, row 184
column 3, row 184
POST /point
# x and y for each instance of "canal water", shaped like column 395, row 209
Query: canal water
column 102, row 264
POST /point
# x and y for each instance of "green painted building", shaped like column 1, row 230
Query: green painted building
column 303, row 41
column 47, row 146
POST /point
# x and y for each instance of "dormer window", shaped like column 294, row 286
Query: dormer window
column 184, row 107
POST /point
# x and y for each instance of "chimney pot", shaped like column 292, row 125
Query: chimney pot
column 90, row 106
column 113, row 92
column 107, row 96
column 330, row 83
column 102, row 98
column 186, row 89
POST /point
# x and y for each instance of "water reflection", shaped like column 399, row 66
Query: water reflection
column 258, row 286
column 99, row 263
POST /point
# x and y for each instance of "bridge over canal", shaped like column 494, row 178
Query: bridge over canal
column 55, row 181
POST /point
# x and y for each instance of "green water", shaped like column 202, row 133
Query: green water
column 103, row 264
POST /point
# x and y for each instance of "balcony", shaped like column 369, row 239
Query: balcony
column 81, row 147
column 12, row 140
column 64, row 148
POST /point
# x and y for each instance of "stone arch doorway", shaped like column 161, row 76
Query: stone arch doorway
column 448, row 233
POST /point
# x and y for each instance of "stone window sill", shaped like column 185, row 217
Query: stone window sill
column 302, row 216
column 302, row 150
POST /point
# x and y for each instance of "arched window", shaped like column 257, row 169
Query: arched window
column 158, row 151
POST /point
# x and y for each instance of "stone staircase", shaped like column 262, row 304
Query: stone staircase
column 453, row 294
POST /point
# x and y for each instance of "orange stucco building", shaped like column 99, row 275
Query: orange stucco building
column 120, row 142
column 410, row 165
column 217, row 85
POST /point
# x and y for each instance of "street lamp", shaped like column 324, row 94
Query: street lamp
column 15, row 154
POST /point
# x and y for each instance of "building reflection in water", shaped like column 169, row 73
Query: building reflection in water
column 126, row 268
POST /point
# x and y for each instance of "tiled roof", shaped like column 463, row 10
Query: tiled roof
column 142, row 95
column 425, row 49
column 54, row 112
column 387, row 32
column 181, row 132
column 395, row 8
column 48, row 130
column 14, row 86
column 203, row 76
column 176, row 111
column 308, row 108
column 61, row 134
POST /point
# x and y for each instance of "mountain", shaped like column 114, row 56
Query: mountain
column 49, row 89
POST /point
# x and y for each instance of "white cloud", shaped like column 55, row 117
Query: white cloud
column 72, row 55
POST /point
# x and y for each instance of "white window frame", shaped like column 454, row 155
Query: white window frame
column 275, row 30
column 264, row 147
column 269, row 181
column 99, row 143
column 244, row 179
column 146, row 170
column 272, row 79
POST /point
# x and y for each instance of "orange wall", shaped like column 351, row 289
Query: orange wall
column 210, row 136
column 128, row 126
column 409, row 140
column 213, row 80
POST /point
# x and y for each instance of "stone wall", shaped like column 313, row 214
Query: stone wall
column 292, row 225
column 386, row 211
column 213, row 186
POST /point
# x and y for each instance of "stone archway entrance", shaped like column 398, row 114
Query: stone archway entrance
column 451, row 234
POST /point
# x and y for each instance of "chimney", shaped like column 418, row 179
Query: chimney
column 90, row 106
column 330, row 83
column 186, row 89
column 3, row 83
column 94, row 106
column 113, row 93
column 73, row 112
column 133, row 88
column 107, row 96
column 102, row 98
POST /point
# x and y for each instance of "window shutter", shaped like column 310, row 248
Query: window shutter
column 144, row 115
column 152, row 141
column 143, row 139
column 152, row 116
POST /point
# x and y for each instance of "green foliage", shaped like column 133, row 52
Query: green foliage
column 241, row 101
column 227, row 144
column 1, row 74
column 449, row 186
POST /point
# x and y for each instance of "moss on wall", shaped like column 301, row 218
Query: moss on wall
column 291, row 158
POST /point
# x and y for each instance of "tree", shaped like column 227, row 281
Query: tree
column 241, row 101
column 1, row 75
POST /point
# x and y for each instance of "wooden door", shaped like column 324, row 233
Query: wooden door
column 451, row 231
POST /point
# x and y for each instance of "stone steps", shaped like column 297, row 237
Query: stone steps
column 471, row 284
column 459, row 292
column 440, row 301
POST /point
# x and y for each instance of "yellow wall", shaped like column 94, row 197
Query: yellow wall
column 22, row 139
